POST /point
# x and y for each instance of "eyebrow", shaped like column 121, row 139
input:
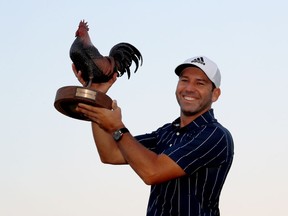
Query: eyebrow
column 197, row 79
column 203, row 80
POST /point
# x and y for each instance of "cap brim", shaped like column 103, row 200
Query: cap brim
column 181, row 67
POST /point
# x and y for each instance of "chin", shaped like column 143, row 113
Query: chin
column 194, row 111
column 189, row 113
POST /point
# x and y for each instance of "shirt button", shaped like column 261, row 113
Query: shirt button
column 177, row 133
column 170, row 144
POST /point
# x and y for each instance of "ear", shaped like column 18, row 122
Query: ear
column 215, row 94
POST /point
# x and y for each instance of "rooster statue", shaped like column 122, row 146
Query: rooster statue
column 96, row 68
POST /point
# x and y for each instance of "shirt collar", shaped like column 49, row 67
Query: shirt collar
column 204, row 119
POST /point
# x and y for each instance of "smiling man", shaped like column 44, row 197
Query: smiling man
column 186, row 161
column 195, row 90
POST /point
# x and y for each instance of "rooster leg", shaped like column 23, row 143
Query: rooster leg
column 88, row 84
column 91, row 77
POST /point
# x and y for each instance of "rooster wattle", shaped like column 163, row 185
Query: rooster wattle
column 97, row 68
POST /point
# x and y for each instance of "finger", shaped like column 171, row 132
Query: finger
column 86, row 107
column 113, row 79
column 89, row 110
column 74, row 69
column 114, row 105
column 78, row 74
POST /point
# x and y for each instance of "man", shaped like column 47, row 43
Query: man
column 185, row 162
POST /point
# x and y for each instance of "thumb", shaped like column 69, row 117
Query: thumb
column 114, row 105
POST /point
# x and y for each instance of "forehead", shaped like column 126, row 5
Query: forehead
column 193, row 72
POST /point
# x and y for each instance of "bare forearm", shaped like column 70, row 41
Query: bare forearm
column 149, row 166
column 152, row 168
column 106, row 146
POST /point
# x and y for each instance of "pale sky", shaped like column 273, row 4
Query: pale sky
column 49, row 165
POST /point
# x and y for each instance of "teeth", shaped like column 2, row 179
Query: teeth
column 188, row 98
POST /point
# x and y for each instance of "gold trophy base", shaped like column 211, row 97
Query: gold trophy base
column 68, row 97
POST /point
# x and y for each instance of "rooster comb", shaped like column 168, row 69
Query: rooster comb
column 83, row 24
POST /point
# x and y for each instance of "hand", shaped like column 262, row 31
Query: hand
column 103, row 87
column 108, row 120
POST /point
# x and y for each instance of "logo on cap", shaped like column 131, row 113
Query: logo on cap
column 199, row 60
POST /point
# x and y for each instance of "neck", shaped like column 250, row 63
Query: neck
column 187, row 119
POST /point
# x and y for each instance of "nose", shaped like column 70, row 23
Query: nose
column 190, row 87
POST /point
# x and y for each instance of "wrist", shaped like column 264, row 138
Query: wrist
column 119, row 127
column 117, row 135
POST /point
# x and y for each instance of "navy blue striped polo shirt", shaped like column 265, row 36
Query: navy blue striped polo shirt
column 204, row 149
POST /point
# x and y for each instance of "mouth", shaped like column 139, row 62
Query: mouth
column 188, row 98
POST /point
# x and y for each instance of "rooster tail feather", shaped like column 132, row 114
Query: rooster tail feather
column 135, row 59
column 125, row 54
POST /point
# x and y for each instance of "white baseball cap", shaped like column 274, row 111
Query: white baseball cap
column 205, row 64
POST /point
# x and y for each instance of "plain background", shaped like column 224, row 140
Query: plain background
column 48, row 162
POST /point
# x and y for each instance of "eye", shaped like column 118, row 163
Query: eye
column 200, row 83
column 183, row 79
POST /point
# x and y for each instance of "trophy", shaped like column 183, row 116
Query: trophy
column 94, row 68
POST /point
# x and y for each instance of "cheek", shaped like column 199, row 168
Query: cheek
column 177, row 90
column 178, row 93
column 180, row 86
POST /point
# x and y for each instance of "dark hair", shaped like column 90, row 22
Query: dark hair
column 213, row 86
